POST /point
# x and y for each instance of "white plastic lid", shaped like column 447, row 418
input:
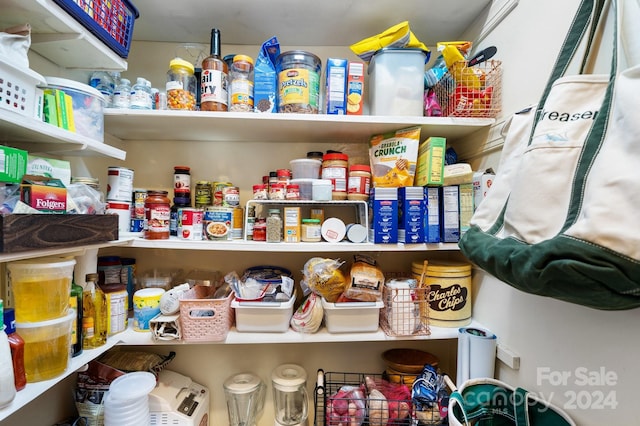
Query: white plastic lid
column 242, row 383
column 287, row 376
column 321, row 182
column 333, row 230
column 75, row 85
column 42, row 263
column 132, row 385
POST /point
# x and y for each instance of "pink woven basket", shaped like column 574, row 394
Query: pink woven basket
column 203, row 319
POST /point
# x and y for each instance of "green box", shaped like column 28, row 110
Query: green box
column 13, row 164
column 430, row 164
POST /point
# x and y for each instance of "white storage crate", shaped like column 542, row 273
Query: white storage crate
column 351, row 317
column 271, row 317
column 19, row 90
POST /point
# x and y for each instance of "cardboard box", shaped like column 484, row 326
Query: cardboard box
column 13, row 164
column 384, row 217
column 44, row 194
column 432, row 214
column 336, row 86
column 430, row 164
column 355, row 88
column 482, row 181
column 49, row 167
column 411, row 208
column 292, row 222
column 465, row 197
column 450, row 213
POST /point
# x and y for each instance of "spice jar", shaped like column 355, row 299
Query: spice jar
column 181, row 85
column 274, row 226
column 157, row 214
column 334, row 168
column 293, row 192
column 277, row 191
column 260, row 230
column 260, row 192
column 241, row 84
column 311, row 230
column 359, row 182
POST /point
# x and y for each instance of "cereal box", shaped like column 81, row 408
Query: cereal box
column 430, row 165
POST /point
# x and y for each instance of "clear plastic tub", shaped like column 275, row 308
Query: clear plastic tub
column 271, row 317
column 351, row 317
column 305, row 168
column 88, row 106
column 41, row 288
column 46, row 346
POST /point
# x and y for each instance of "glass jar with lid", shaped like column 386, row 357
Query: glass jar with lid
column 157, row 212
column 274, row 226
column 241, row 84
column 181, row 85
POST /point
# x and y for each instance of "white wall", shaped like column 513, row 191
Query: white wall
column 554, row 337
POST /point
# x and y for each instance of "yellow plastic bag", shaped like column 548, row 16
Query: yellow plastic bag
column 399, row 35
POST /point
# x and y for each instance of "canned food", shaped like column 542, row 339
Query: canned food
column 230, row 196
column 218, row 223
column 123, row 210
column 217, row 192
column 139, row 196
column 190, row 223
column 119, row 184
column 298, row 82
column 204, row 194
column 236, row 227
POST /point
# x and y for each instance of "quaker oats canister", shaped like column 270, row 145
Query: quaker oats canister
column 450, row 292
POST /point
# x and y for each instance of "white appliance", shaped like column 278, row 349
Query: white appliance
column 177, row 400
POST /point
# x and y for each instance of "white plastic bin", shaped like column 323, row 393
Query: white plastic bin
column 351, row 317
column 271, row 317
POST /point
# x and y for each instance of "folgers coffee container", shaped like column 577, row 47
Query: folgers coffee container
column 449, row 294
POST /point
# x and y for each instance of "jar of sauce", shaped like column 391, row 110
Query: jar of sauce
column 311, row 230
column 157, row 215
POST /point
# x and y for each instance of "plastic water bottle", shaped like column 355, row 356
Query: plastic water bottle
column 7, row 382
column 103, row 82
column 141, row 94
column 122, row 94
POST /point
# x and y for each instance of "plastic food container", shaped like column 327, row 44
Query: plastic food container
column 46, row 346
column 351, row 317
column 41, row 288
column 396, row 81
column 271, row 317
column 88, row 106
column 305, row 168
column 306, row 187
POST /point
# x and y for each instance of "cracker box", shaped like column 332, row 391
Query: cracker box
column 292, row 224
column 432, row 214
column 336, row 86
column 384, row 215
column 430, row 165
column 450, row 213
column 15, row 164
column 411, row 214
column 355, row 88
column 44, row 194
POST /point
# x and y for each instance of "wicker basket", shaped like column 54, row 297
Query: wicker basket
column 476, row 94
column 203, row 319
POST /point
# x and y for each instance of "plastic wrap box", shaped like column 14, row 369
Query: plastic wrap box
column 351, row 317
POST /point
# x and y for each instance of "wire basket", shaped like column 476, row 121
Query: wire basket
column 401, row 412
column 109, row 20
column 471, row 91
column 405, row 312
column 203, row 319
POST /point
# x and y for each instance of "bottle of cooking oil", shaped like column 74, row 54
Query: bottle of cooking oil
column 94, row 314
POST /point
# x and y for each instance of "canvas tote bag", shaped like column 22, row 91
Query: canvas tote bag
column 560, row 219
column 491, row 402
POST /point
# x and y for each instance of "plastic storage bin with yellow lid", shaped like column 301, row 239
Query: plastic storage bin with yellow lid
column 41, row 288
column 46, row 346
